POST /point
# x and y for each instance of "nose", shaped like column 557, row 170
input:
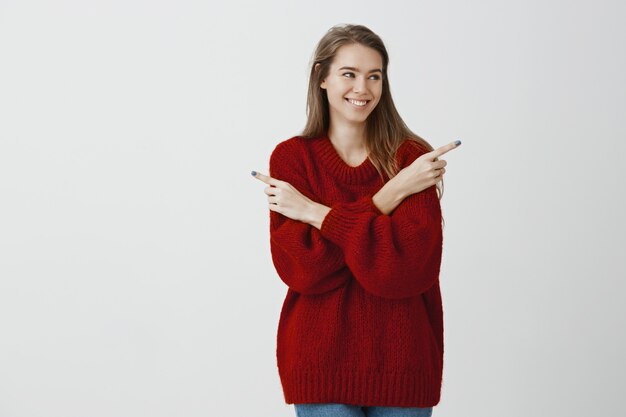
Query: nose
column 359, row 84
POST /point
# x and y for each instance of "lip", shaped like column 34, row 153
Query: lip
column 347, row 99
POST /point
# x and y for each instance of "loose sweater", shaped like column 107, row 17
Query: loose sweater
column 362, row 319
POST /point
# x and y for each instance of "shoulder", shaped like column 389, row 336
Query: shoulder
column 409, row 150
column 292, row 150
column 291, row 161
column 291, row 145
column 285, row 146
column 284, row 151
column 288, row 156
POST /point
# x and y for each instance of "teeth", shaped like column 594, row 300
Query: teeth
column 358, row 103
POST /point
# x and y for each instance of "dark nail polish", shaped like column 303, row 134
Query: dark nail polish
column 457, row 143
column 253, row 173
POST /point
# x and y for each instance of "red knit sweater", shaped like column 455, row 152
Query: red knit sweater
column 362, row 320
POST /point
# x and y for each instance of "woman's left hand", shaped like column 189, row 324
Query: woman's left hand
column 285, row 199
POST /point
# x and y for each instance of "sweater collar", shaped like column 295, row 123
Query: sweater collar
column 339, row 168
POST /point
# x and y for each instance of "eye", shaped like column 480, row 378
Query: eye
column 376, row 77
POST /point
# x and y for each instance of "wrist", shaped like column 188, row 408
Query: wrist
column 388, row 197
column 316, row 214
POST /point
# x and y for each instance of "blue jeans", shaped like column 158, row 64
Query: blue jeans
column 345, row 410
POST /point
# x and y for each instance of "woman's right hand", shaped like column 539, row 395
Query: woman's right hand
column 424, row 172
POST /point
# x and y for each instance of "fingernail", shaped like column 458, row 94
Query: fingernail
column 457, row 143
column 253, row 173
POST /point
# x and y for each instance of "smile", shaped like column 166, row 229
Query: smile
column 358, row 103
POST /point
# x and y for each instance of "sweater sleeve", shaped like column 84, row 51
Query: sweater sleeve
column 392, row 256
column 433, row 303
column 304, row 260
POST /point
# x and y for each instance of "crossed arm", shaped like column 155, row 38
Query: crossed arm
column 385, row 201
column 389, row 242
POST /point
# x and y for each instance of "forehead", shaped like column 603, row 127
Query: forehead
column 357, row 55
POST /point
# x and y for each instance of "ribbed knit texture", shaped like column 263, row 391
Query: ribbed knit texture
column 362, row 320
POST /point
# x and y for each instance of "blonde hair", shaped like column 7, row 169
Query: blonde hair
column 385, row 130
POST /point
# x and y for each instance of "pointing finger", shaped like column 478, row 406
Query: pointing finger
column 443, row 149
column 265, row 178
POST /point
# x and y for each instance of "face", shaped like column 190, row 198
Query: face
column 355, row 74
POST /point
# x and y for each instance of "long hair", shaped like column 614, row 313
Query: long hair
column 385, row 130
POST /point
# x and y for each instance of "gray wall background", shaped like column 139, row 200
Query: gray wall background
column 135, row 272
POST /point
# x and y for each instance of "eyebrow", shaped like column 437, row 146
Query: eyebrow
column 357, row 70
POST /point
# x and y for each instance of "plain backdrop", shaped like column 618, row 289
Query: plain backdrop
column 135, row 270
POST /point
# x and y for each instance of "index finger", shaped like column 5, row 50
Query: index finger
column 443, row 149
column 266, row 179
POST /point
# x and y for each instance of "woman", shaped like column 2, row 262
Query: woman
column 356, row 235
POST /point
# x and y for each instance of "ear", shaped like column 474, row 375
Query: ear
column 323, row 83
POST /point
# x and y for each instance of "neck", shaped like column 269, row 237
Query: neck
column 348, row 139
